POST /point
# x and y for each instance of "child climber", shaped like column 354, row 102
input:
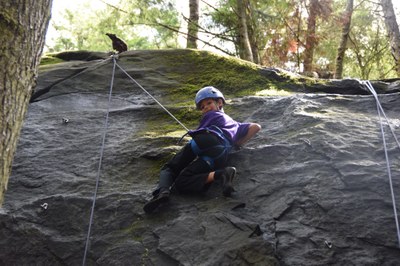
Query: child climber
column 195, row 167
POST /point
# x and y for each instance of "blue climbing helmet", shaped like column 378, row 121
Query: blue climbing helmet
column 208, row 92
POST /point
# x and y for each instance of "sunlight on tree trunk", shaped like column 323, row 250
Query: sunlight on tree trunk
column 392, row 31
column 23, row 25
column 193, row 24
column 310, row 39
column 244, row 42
column 346, row 19
column 252, row 32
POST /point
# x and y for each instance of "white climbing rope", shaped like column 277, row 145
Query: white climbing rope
column 99, row 166
column 380, row 113
column 105, row 128
column 140, row 86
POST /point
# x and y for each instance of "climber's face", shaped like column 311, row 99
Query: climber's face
column 210, row 104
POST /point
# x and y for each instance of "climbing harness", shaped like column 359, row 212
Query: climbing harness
column 225, row 145
column 380, row 113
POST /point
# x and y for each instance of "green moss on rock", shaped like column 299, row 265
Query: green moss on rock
column 233, row 76
column 49, row 60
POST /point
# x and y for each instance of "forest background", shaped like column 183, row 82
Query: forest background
column 328, row 38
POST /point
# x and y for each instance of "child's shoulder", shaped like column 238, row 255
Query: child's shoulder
column 215, row 113
column 218, row 117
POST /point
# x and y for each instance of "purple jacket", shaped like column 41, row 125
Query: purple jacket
column 232, row 130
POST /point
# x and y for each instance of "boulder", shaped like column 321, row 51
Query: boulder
column 312, row 187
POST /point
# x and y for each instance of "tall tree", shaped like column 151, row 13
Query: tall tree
column 392, row 31
column 23, row 26
column 193, row 23
column 368, row 48
column 252, row 29
column 346, row 20
column 245, row 50
column 316, row 8
column 311, row 37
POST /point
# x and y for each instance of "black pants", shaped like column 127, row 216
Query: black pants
column 188, row 172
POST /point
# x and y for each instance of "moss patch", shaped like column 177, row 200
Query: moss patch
column 273, row 92
column 233, row 76
column 49, row 60
column 162, row 124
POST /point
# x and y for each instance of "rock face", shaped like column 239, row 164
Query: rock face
column 312, row 187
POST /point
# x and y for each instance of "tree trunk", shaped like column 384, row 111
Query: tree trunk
column 392, row 31
column 252, row 32
column 23, row 25
column 310, row 39
column 245, row 51
column 193, row 24
column 343, row 42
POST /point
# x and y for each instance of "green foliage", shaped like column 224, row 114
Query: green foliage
column 368, row 55
column 141, row 24
column 278, row 29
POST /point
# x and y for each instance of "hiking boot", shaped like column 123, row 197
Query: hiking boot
column 160, row 198
column 227, row 177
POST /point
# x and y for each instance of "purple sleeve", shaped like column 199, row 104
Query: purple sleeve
column 241, row 132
